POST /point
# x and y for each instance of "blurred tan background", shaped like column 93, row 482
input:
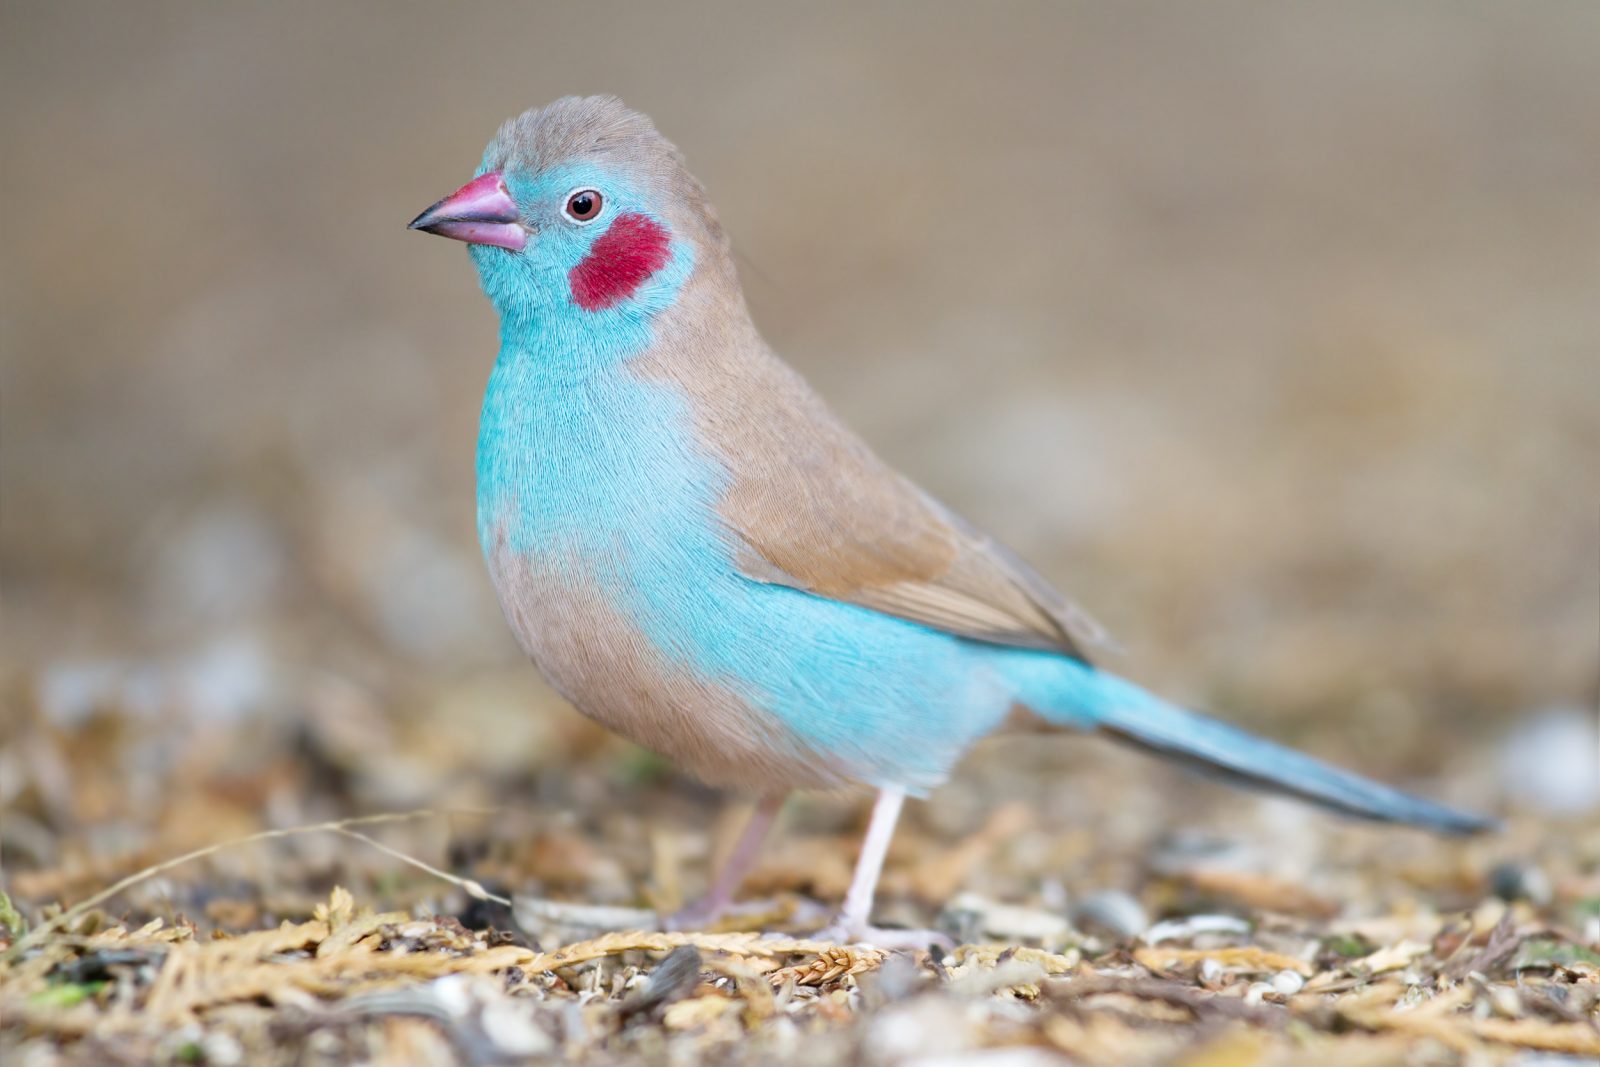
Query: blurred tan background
column 1269, row 332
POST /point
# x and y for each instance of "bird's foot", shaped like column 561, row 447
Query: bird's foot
column 847, row 932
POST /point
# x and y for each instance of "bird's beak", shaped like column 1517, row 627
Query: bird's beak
column 481, row 212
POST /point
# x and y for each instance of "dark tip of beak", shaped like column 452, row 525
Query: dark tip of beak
column 481, row 212
column 427, row 218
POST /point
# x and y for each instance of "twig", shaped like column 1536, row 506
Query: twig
column 339, row 826
column 467, row 885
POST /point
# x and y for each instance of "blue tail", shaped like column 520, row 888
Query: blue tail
column 1122, row 710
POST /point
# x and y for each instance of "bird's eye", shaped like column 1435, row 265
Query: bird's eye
column 584, row 205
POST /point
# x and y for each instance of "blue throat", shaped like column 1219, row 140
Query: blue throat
column 565, row 424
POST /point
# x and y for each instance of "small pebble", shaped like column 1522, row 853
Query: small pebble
column 451, row 995
column 1111, row 913
column 970, row 913
column 1507, row 1002
column 221, row 1049
column 1287, row 983
column 1520, row 881
column 509, row 1027
column 1195, row 925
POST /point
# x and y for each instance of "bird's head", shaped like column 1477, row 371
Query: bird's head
column 581, row 205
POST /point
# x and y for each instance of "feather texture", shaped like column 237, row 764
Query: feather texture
column 811, row 506
column 701, row 556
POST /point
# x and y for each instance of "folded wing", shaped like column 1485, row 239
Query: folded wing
column 812, row 507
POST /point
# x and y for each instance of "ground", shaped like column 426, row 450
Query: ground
column 1267, row 332
column 1108, row 911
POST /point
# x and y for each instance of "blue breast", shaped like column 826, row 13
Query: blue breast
column 582, row 459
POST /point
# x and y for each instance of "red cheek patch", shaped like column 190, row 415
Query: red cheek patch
column 619, row 261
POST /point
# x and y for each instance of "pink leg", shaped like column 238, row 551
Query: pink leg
column 852, row 924
column 864, row 883
column 738, row 864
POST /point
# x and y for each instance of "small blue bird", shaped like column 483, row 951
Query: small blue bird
column 699, row 555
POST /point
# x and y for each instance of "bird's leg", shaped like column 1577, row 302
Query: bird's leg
column 874, row 847
column 720, row 896
column 852, row 924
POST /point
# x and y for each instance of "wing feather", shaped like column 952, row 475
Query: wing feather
column 810, row 506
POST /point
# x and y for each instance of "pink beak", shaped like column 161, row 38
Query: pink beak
column 481, row 212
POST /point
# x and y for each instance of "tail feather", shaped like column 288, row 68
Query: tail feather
column 1131, row 714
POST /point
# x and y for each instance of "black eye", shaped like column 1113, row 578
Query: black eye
column 584, row 205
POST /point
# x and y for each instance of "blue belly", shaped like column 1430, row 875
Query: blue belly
column 607, row 470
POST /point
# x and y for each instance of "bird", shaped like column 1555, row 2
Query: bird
column 698, row 554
